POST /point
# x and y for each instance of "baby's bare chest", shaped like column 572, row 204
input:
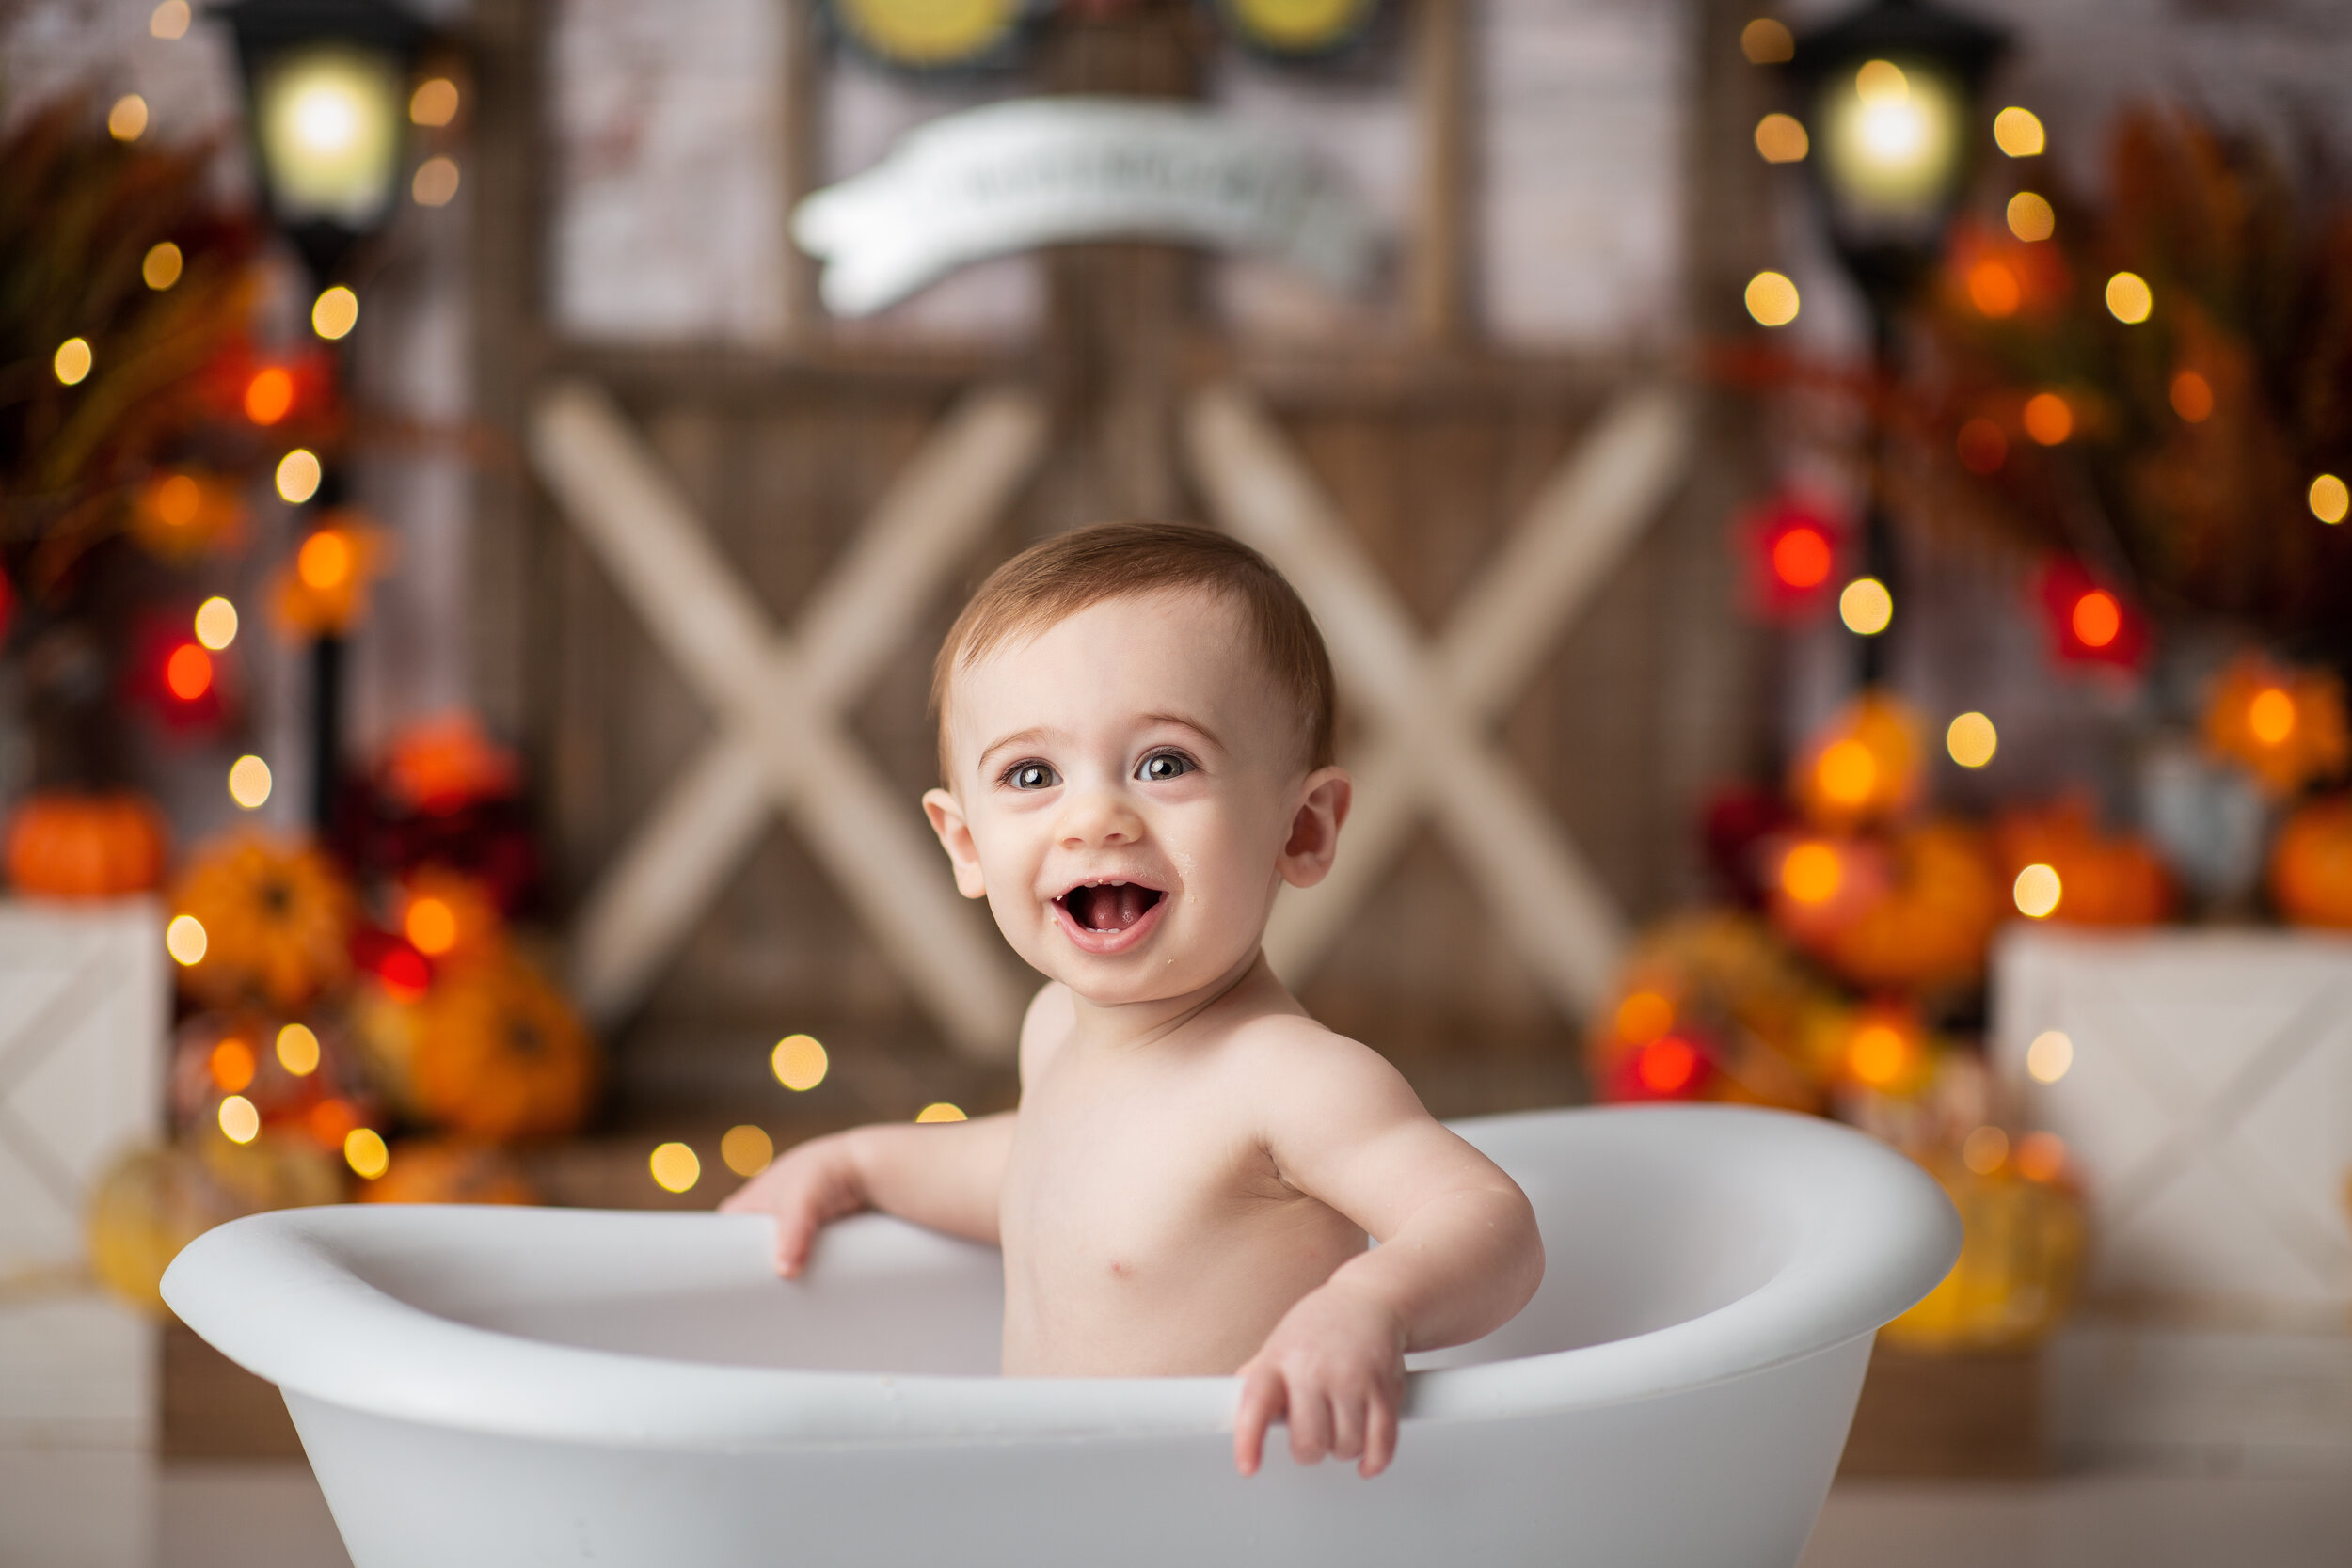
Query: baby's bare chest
column 1120, row 1179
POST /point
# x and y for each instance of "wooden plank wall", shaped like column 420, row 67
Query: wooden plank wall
column 1431, row 449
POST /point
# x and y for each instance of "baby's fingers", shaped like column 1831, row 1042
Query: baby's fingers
column 1347, row 1424
column 1379, row 1435
column 1262, row 1399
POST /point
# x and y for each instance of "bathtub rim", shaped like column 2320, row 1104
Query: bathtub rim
column 259, row 1289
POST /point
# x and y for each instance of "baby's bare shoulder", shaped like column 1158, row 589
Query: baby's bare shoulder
column 1298, row 1061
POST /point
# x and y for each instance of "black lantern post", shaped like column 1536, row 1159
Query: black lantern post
column 1890, row 99
column 327, row 98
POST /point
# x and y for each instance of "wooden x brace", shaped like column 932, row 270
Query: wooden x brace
column 1434, row 705
column 783, row 741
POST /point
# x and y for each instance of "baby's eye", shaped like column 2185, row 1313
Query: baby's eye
column 1162, row 766
column 1032, row 775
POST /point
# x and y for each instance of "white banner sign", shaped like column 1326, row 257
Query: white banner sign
column 1011, row 177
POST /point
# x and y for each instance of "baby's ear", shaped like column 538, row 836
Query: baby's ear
column 955, row 837
column 1314, row 839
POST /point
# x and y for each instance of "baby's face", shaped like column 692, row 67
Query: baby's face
column 1124, row 790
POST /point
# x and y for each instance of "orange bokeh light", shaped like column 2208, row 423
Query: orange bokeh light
column 1994, row 290
column 431, row 926
column 232, row 1065
column 2097, row 619
column 1644, row 1016
column 1666, row 1065
column 269, row 397
column 1847, row 773
column 1879, row 1053
column 2040, row 1157
column 2192, row 396
column 1812, row 873
column 2048, row 419
column 324, row 561
column 188, row 672
column 2270, row 716
column 1802, row 558
column 332, row 1121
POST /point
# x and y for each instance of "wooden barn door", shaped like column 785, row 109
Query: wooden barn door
column 1431, row 459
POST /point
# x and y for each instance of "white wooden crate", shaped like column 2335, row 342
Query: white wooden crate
column 2208, row 1106
column 2208, row 1111
column 83, row 1012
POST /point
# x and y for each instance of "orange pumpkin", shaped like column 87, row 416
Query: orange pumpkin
column 2311, row 865
column 1925, row 923
column 498, row 1053
column 63, row 846
column 2102, row 880
column 277, row 921
column 451, row 1170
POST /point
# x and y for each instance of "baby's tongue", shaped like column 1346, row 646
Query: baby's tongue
column 1109, row 908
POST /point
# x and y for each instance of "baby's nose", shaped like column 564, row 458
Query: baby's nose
column 1092, row 816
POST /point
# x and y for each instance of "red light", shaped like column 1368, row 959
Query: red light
column 1666, row 1065
column 188, row 672
column 1801, row 557
column 405, row 974
column 2097, row 619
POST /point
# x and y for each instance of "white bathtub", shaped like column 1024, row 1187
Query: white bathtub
column 513, row 1386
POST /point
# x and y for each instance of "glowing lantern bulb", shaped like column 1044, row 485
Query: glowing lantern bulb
column 940, row 1110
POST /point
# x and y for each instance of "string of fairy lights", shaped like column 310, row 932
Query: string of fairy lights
column 1888, row 129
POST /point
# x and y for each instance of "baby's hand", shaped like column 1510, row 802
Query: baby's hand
column 1334, row 1369
column 809, row 1187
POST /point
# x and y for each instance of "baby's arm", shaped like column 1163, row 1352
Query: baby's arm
column 948, row 1176
column 945, row 1175
column 1460, row 1254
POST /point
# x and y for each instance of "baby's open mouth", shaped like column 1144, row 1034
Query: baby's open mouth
column 1109, row 906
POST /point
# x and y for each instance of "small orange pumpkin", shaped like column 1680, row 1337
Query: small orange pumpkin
column 2102, row 880
column 277, row 921
column 448, row 1170
column 1927, row 924
column 498, row 1053
column 2310, row 864
column 66, row 846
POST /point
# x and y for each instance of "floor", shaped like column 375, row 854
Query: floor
column 100, row 1509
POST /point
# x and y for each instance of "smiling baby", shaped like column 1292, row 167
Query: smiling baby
column 1136, row 739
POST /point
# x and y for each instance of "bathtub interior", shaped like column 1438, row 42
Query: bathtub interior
column 1635, row 1241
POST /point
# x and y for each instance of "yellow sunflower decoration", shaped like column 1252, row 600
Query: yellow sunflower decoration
column 1296, row 28
column 930, row 35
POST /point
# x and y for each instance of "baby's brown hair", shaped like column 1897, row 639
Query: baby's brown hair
column 1052, row 580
